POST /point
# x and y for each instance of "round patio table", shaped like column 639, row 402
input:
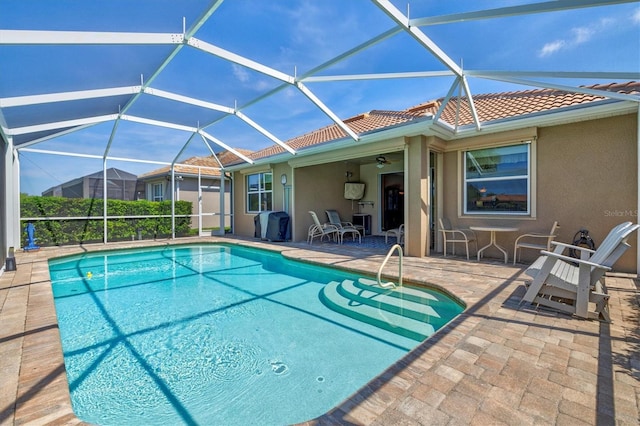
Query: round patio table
column 493, row 230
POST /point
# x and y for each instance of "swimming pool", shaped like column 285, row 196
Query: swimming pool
column 210, row 334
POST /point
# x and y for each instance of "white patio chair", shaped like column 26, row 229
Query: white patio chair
column 321, row 230
column 559, row 284
column 453, row 236
column 344, row 227
column 395, row 232
column 535, row 241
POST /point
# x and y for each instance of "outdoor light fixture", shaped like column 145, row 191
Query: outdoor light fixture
column 283, row 179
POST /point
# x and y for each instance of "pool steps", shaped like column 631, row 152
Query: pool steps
column 403, row 310
column 407, row 293
column 397, row 302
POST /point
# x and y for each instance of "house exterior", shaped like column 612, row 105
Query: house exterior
column 520, row 159
column 198, row 180
column 121, row 185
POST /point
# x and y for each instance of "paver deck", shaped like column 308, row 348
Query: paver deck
column 498, row 363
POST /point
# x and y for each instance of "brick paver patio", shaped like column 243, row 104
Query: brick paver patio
column 498, row 363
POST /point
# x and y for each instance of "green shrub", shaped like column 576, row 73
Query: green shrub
column 85, row 223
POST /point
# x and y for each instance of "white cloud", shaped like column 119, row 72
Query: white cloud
column 551, row 48
column 240, row 73
column 635, row 18
column 579, row 35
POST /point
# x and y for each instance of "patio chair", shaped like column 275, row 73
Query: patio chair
column 453, row 236
column 344, row 227
column 395, row 232
column 574, row 285
column 534, row 240
column 321, row 230
column 603, row 251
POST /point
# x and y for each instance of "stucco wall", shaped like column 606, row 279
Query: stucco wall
column 586, row 177
column 243, row 222
column 320, row 188
column 278, row 190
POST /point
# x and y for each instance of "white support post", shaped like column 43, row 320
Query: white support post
column 12, row 200
column 16, row 198
column 104, row 201
column 232, row 217
column 199, row 201
column 173, row 203
column 221, row 230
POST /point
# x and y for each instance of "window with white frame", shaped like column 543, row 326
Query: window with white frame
column 156, row 192
column 497, row 180
column 259, row 192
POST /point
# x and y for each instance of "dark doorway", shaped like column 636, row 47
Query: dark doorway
column 392, row 197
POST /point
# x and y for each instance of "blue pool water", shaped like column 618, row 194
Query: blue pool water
column 209, row 334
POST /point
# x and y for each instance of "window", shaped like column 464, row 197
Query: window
column 496, row 180
column 259, row 192
column 156, row 192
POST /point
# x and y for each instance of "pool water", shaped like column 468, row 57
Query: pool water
column 209, row 334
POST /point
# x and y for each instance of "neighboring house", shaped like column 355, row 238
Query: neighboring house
column 528, row 159
column 197, row 180
column 121, row 185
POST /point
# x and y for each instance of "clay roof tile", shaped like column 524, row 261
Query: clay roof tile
column 490, row 107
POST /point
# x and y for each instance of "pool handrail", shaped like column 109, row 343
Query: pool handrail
column 389, row 284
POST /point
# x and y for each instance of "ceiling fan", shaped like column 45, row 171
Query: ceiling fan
column 381, row 159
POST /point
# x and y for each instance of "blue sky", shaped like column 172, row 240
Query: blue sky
column 292, row 37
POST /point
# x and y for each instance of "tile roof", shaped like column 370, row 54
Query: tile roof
column 373, row 120
column 498, row 106
column 490, row 107
column 228, row 157
column 190, row 167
